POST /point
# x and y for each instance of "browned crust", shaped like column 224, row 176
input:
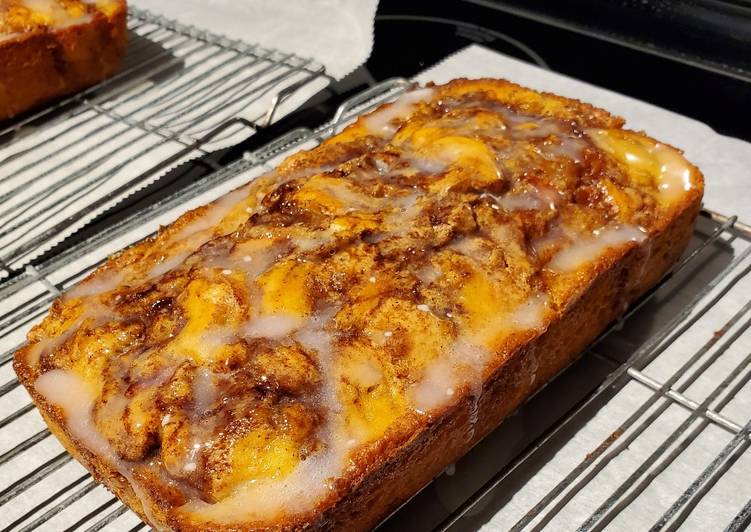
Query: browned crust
column 398, row 467
column 533, row 102
column 43, row 65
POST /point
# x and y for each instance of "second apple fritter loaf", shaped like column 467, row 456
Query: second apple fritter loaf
column 309, row 350
column 51, row 48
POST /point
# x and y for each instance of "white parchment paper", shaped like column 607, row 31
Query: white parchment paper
column 337, row 33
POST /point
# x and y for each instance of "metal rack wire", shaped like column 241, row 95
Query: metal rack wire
column 43, row 488
column 181, row 92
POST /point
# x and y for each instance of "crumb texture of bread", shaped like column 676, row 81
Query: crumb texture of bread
column 309, row 350
column 53, row 48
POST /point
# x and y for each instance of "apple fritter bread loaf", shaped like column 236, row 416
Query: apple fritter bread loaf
column 51, row 48
column 312, row 348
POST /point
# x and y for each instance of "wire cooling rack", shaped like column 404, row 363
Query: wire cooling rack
column 180, row 93
column 42, row 487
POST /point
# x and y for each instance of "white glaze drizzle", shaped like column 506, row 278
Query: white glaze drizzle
column 365, row 374
column 205, row 225
column 674, row 171
column 252, row 264
column 428, row 273
column 530, row 315
column 568, row 147
column 521, row 202
column 557, row 235
column 311, row 479
column 168, row 264
column 49, row 344
column 461, row 365
column 96, row 311
column 470, row 246
column 398, row 221
column 425, row 165
column 202, row 427
column 71, row 393
column 274, row 326
column 585, row 250
column 381, row 122
column 528, row 200
column 100, row 284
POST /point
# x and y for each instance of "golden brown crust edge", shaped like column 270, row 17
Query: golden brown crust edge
column 42, row 66
column 540, row 102
column 397, row 474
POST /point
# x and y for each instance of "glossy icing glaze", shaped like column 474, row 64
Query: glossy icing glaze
column 267, row 341
column 665, row 165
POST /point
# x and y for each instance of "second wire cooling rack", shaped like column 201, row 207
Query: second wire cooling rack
column 180, row 93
